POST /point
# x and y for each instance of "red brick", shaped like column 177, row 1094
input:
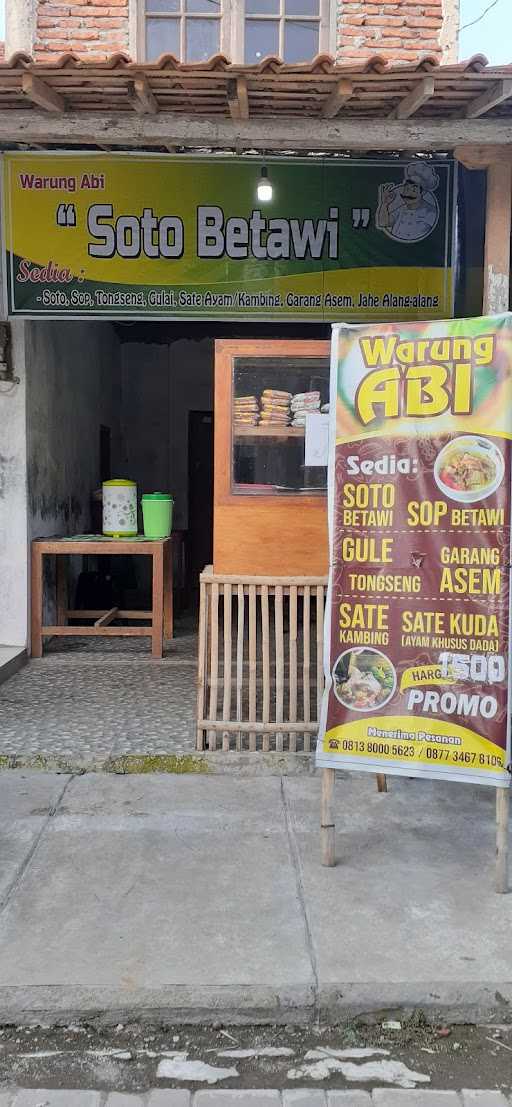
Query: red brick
column 102, row 13
column 117, row 46
column 422, row 21
column 62, row 47
column 111, row 24
column 387, row 44
column 385, row 21
column 66, row 21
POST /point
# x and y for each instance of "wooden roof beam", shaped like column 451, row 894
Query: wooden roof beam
column 191, row 131
column 339, row 96
column 238, row 98
column 421, row 92
column 41, row 94
column 481, row 157
column 142, row 98
column 486, row 101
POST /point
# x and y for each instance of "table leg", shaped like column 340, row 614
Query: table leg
column 168, row 591
column 157, row 637
column 36, row 602
column 62, row 589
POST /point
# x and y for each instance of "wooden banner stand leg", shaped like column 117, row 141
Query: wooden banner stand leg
column 327, row 827
column 382, row 782
column 502, row 817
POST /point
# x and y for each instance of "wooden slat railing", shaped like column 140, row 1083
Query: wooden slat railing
column 260, row 665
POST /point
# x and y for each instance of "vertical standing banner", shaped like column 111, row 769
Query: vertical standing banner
column 417, row 626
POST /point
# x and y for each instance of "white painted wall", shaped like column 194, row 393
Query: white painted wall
column 13, row 501
column 20, row 26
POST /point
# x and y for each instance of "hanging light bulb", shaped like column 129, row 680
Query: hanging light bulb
column 264, row 188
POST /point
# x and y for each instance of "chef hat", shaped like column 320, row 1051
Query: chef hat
column 421, row 173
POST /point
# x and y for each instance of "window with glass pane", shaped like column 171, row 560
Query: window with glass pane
column 189, row 29
column 288, row 28
column 272, row 399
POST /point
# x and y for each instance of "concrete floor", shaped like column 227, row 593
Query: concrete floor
column 200, row 897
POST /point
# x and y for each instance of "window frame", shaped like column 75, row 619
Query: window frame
column 232, row 20
column 282, row 18
column 223, row 17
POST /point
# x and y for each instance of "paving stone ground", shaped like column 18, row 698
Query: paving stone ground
column 300, row 1097
column 90, row 700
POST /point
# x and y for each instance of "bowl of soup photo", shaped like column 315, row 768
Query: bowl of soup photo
column 363, row 679
column 469, row 468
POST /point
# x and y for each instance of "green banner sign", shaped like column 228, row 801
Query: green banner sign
column 134, row 235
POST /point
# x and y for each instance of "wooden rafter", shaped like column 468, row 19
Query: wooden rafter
column 421, row 92
column 41, row 94
column 238, row 98
column 337, row 98
column 489, row 99
column 141, row 96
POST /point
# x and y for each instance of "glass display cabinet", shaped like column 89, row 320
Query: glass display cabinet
column 266, row 392
column 271, row 400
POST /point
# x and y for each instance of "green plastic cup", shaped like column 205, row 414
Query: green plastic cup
column 157, row 514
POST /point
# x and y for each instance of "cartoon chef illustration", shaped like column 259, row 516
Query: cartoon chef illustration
column 409, row 211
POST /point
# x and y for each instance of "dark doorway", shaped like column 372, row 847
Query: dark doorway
column 105, row 453
column 200, row 496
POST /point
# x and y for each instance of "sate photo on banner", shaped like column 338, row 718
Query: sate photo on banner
column 418, row 611
column 131, row 235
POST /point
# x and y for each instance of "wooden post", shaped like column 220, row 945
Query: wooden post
column 253, row 672
column 157, row 622
column 61, row 573
column 36, row 602
column 497, row 237
column 382, row 782
column 306, row 662
column 226, row 702
column 498, row 218
column 265, row 659
column 214, row 662
column 292, row 667
column 327, row 827
column 502, row 817
column 168, row 589
column 240, row 661
column 279, row 630
column 202, row 665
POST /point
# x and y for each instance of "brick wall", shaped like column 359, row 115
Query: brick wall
column 91, row 28
column 397, row 29
column 400, row 30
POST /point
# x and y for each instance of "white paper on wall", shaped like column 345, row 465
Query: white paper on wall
column 316, row 451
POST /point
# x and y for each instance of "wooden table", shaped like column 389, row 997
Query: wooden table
column 161, row 614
